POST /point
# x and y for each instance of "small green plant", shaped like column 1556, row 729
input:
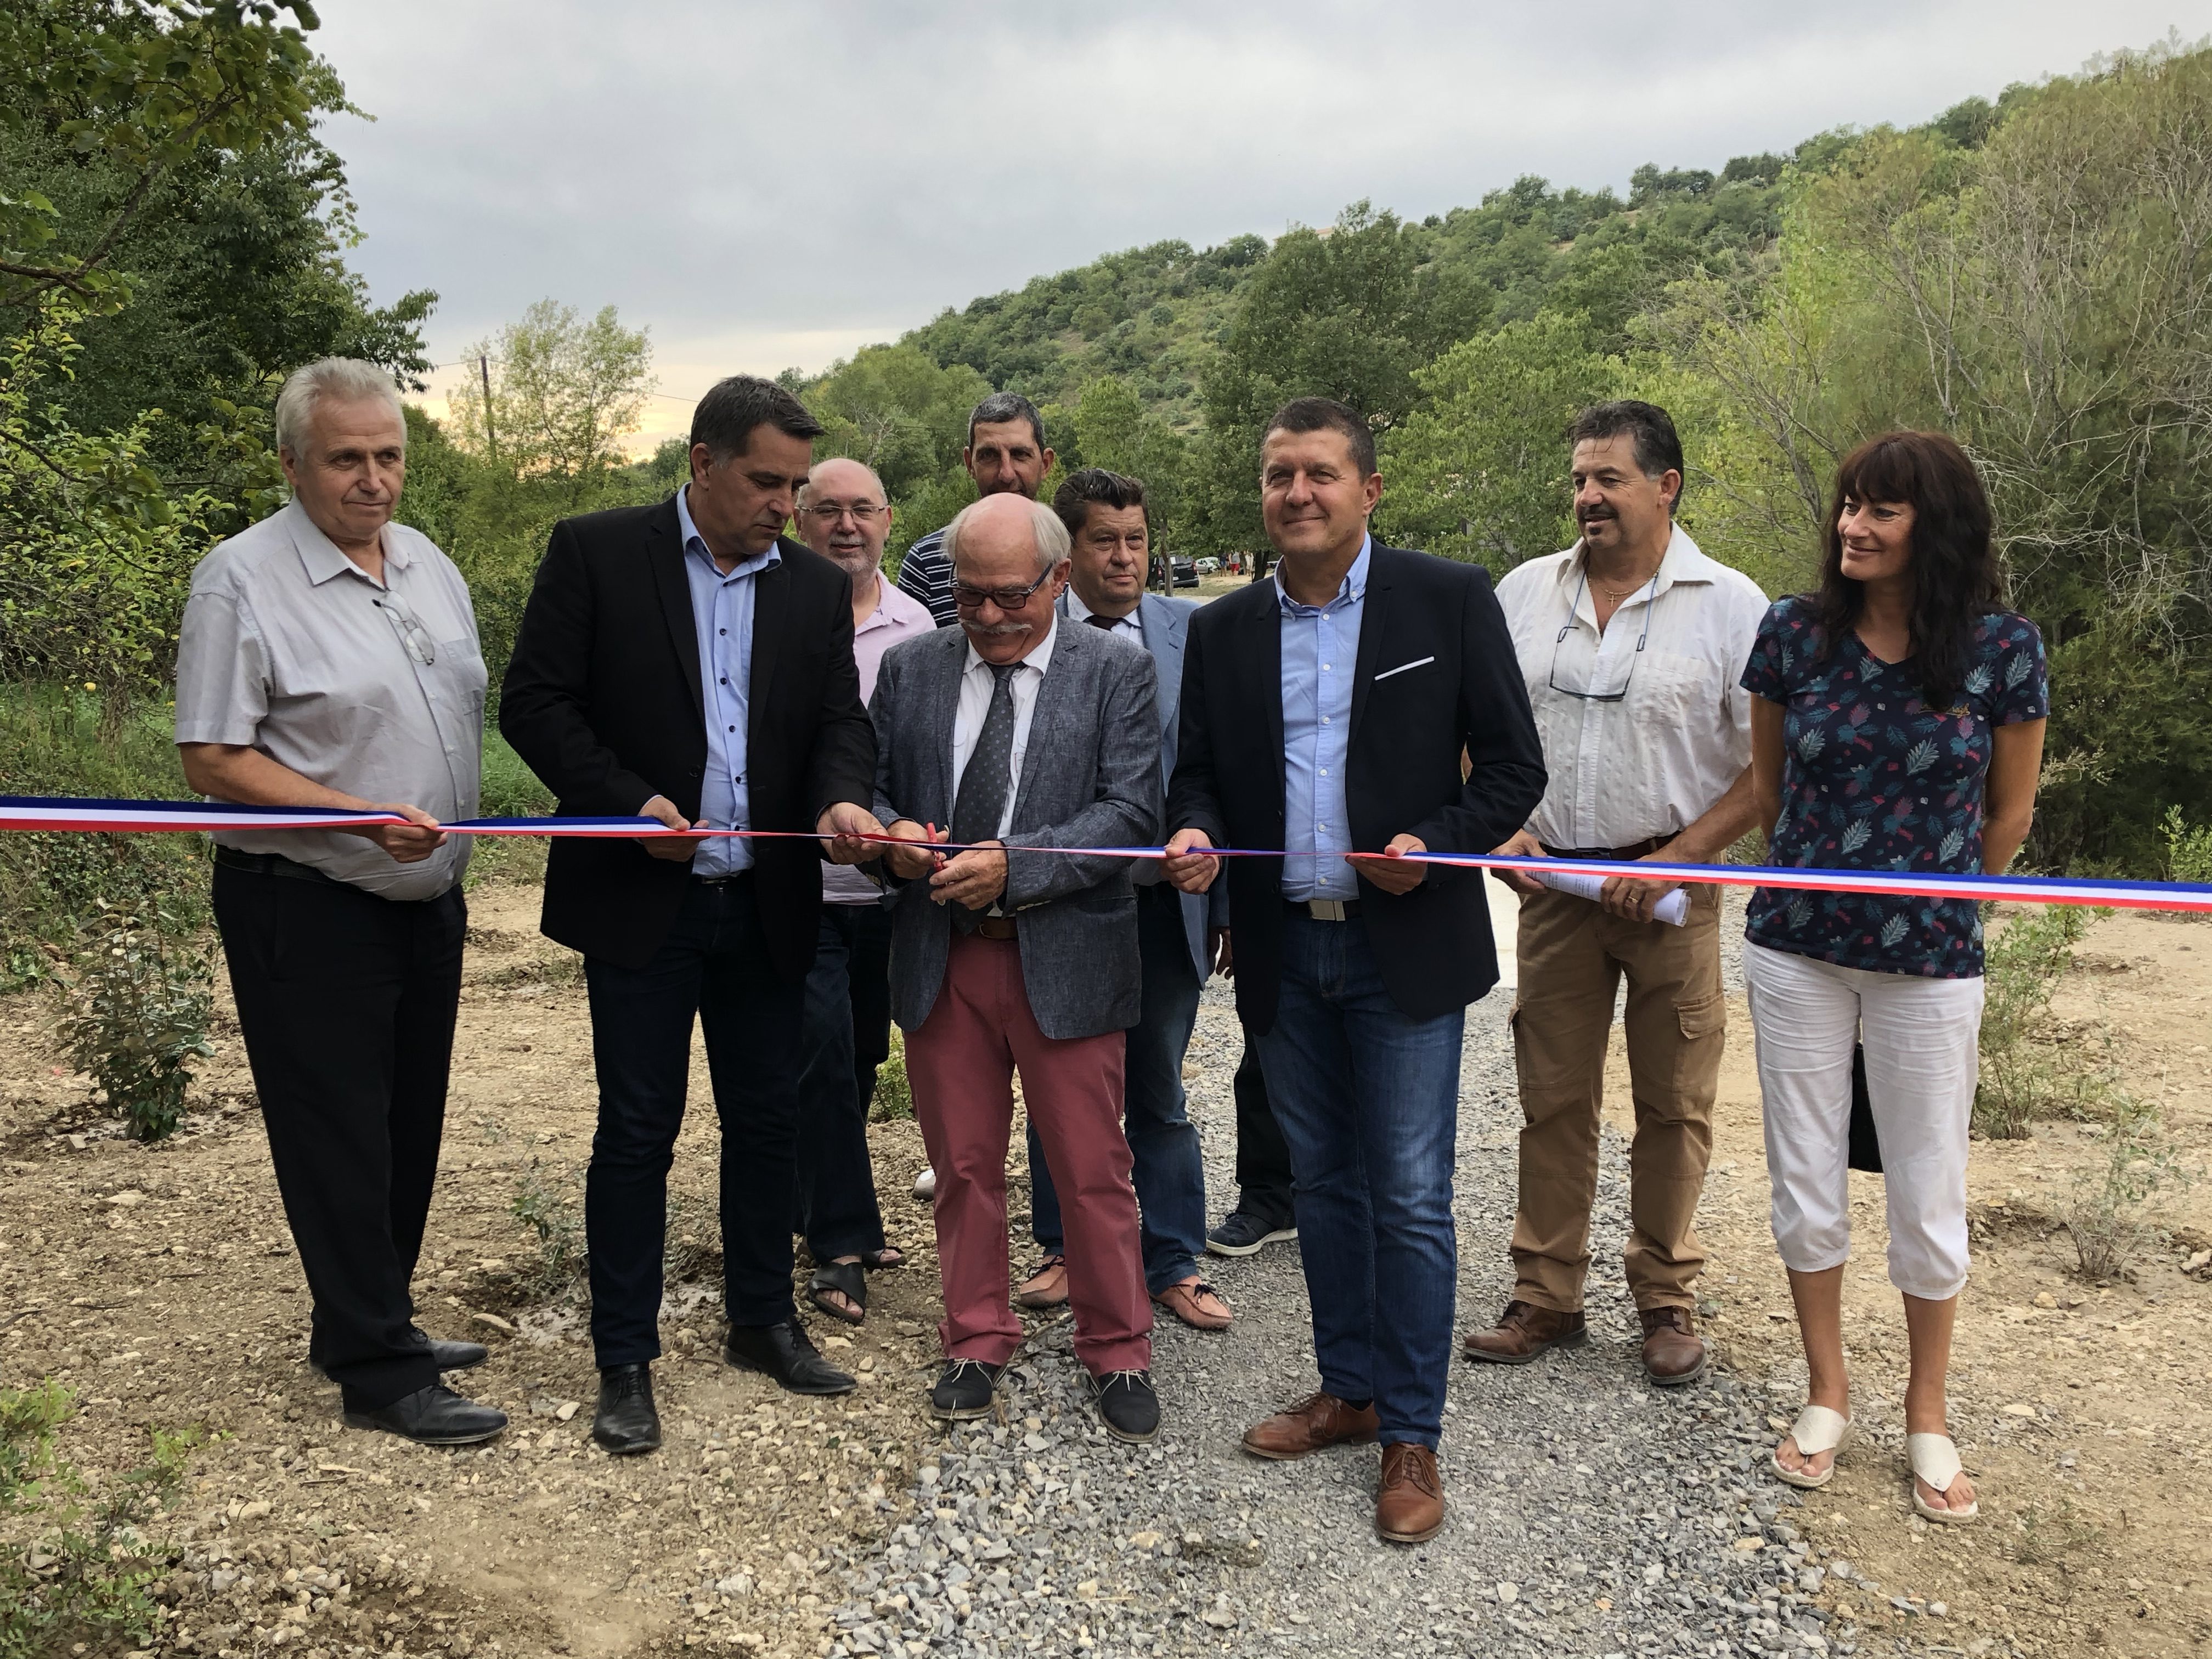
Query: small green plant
column 2054, row 1537
column 139, row 1001
column 893, row 1100
column 553, row 1212
column 2188, row 847
column 2022, row 1078
column 84, row 1572
column 2105, row 1210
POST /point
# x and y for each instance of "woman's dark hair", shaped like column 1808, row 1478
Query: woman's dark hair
column 1956, row 580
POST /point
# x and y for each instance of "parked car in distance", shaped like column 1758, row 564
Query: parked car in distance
column 1207, row 566
column 1186, row 573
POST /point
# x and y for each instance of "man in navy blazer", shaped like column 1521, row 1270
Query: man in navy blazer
column 1178, row 934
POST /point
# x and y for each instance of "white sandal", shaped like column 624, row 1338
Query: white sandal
column 1817, row 1429
column 1934, row 1459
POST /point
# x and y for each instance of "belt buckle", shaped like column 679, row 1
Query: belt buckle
column 1325, row 910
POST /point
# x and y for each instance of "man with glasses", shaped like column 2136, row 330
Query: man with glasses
column 1019, row 731
column 1631, row 643
column 328, row 658
column 1005, row 456
column 843, row 516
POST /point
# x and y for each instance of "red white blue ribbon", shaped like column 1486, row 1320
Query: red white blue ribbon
column 34, row 812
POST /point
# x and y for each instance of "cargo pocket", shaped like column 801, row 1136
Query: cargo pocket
column 1703, row 1025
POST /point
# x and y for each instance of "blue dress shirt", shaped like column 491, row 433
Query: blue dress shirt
column 1321, row 644
column 722, row 613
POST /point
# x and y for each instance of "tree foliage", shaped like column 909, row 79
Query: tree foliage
column 562, row 394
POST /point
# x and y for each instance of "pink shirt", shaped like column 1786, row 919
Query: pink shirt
column 899, row 616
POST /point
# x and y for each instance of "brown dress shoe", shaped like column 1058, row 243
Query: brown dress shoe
column 1308, row 1425
column 1045, row 1288
column 1409, row 1505
column 1673, row 1353
column 1522, row 1332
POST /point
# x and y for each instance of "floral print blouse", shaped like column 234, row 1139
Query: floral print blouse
column 1873, row 779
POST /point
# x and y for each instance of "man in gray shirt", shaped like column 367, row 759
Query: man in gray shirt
column 328, row 657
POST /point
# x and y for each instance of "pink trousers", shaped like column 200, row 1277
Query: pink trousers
column 961, row 1062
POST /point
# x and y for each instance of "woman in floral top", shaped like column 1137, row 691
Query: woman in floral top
column 1900, row 728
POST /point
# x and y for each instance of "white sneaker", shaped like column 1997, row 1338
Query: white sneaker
column 924, row 1185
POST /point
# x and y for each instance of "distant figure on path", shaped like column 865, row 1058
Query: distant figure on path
column 844, row 516
column 328, row 658
column 1630, row 643
column 1021, row 728
column 1326, row 711
column 687, row 662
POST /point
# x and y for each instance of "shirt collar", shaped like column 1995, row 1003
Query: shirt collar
column 1682, row 562
column 894, row 608
column 1352, row 593
column 1040, row 658
column 320, row 555
column 1078, row 612
column 694, row 542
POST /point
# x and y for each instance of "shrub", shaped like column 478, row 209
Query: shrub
column 2104, row 1212
column 84, row 1570
column 893, row 1099
column 139, row 1003
column 2020, row 1078
column 2188, row 847
column 556, row 1214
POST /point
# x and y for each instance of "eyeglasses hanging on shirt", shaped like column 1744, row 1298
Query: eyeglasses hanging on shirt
column 412, row 634
column 1551, row 680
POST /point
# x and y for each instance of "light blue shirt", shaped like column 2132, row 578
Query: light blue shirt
column 1321, row 645
column 722, row 613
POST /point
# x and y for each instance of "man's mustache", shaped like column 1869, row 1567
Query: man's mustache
column 1591, row 514
column 998, row 630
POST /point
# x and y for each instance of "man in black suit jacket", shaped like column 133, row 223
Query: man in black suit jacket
column 687, row 662
column 1334, row 708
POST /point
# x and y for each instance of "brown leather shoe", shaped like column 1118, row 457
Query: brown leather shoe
column 1409, row 1504
column 1522, row 1332
column 1045, row 1288
column 1673, row 1353
column 1308, row 1425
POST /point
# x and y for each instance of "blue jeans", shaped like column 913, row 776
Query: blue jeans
column 713, row 969
column 1170, row 1172
column 1368, row 1103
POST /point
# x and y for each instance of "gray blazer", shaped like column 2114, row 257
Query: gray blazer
column 1166, row 624
column 1090, row 777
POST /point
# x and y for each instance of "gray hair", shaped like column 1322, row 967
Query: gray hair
column 1051, row 535
column 347, row 379
column 874, row 476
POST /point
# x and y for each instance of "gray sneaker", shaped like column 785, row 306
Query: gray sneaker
column 1239, row 1234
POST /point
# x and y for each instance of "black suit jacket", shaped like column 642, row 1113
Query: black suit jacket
column 602, row 701
column 1437, row 676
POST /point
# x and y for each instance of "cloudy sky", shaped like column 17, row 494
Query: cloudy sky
column 770, row 185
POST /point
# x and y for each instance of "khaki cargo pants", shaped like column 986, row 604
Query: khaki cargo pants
column 1572, row 955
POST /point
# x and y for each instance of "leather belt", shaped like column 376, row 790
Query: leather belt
column 1000, row 927
column 730, row 880
column 275, row 864
column 1617, row 854
column 1324, row 909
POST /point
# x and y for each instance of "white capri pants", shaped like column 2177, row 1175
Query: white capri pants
column 1922, row 1038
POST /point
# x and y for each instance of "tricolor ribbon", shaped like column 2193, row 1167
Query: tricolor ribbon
column 34, row 812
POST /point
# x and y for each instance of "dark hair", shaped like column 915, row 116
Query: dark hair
column 1956, row 579
column 1658, row 448
column 1327, row 415
column 1094, row 486
column 726, row 417
column 1001, row 407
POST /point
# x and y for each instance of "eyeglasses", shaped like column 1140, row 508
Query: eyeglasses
column 1006, row 599
column 412, row 634
column 1551, row 679
column 827, row 513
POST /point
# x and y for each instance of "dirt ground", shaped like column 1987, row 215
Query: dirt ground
column 2078, row 1406
column 159, row 1283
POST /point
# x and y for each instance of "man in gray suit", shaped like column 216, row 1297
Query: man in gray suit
column 1110, row 532
column 1010, row 734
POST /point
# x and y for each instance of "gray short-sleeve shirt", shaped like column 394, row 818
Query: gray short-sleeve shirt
column 289, row 646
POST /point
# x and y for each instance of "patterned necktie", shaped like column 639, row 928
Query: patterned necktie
column 988, row 779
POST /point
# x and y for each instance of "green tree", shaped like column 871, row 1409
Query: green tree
column 1112, row 429
column 563, row 393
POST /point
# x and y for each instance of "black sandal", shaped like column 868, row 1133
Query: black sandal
column 848, row 1280
column 874, row 1262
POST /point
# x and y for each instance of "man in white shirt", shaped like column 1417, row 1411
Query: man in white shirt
column 1631, row 643
column 844, row 516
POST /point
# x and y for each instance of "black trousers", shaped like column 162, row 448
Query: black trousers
column 848, row 1036
column 348, row 1003
column 713, row 968
column 1263, row 1157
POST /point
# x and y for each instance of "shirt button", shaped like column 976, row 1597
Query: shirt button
column 734, row 728
column 726, row 679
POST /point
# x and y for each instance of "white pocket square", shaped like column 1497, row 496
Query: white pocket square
column 1418, row 662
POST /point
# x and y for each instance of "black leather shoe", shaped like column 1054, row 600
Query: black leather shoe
column 784, row 1352
column 435, row 1416
column 965, row 1390
column 626, row 1422
column 1128, row 1405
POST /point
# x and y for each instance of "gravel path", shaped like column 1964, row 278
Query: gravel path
column 1589, row 1514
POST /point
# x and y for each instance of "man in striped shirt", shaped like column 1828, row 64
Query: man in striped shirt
column 1006, row 452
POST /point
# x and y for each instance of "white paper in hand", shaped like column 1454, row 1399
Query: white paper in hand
column 1674, row 909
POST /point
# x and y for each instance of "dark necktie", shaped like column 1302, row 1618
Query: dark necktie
column 989, row 777
column 1104, row 624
